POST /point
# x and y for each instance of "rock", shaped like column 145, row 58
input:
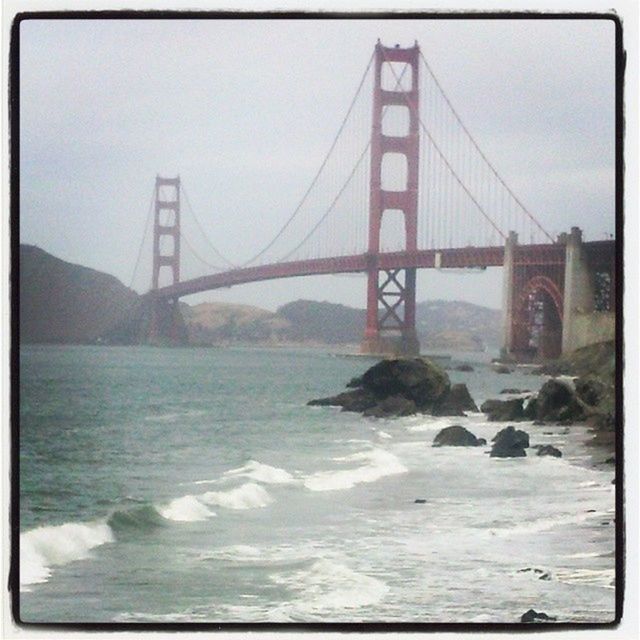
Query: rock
column 455, row 436
column 455, row 402
column 590, row 389
column 510, row 390
column 416, row 379
column 530, row 410
column 503, row 410
column 510, row 443
column 464, row 367
column 533, row 616
column 357, row 400
column 611, row 460
column 398, row 387
column 501, row 368
column 549, row 450
column 419, row 501
column 392, row 406
column 557, row 401
column 481, row 442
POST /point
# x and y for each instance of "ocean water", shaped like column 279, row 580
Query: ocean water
column 195, row 485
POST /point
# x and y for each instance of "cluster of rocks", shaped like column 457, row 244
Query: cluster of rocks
column 557, row 401
column 507, row 443
column 402, row 387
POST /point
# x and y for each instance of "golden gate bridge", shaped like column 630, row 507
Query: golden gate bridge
column 408, row 158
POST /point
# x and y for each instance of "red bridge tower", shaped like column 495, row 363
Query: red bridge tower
column 391, row 295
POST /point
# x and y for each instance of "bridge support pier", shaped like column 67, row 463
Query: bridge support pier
column 166, row 326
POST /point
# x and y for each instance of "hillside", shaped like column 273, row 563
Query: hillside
column 67, row 303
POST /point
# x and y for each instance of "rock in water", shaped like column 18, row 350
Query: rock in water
column 455, row 436
column 392, row 406
column 557, row 401
column 549, row 450
column 510, row 443
column 400, row 387
column 455, row 402
column 503, row 410
column 416, row 379
column 464, row 367
column 534, row 616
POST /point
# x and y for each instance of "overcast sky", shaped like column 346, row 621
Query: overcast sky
column 244, row 111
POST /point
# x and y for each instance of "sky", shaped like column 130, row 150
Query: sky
column 245, row 110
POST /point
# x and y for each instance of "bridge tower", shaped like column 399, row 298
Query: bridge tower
column 166, row 324
column 391, row 294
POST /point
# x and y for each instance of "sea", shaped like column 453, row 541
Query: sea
column 195, row 485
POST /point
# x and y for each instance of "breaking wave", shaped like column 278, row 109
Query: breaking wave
column 45, row 547
column 247, row 496
column 379, row 463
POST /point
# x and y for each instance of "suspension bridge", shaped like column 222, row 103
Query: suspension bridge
column 403, row 186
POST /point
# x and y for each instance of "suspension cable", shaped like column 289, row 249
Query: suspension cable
column 317, row 176
column 144, row 236
column 484, row 157
column 202, row 231
column 331, row 206
column 197, row 255
column 412, row 107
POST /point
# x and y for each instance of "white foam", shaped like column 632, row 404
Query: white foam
column 262, row 473
column 430, row 424
column 379, row 463
column 186, row 509
column 247, row 496
column 45, row 547
column 384, row 435
column 328, row 586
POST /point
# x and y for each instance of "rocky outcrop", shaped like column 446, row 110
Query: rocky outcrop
column 557, row 401
column 511, row 390
column 503, row 410
column 457, row 436
column 548, row 450
column 455, row 402
column 510, row 443
column 536, row 616
column 400, row 387
column 464, row 367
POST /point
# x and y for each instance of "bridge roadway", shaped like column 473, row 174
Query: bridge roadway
column 466, row 257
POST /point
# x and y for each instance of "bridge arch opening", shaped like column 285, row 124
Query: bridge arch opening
column 538, row 323
column 396, row 120
column 393, row 233
column 394, row 172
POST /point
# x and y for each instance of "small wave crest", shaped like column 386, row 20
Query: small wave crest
column 247, row 496
column 45, row 547
column 186, row 509
column 379, row 463
column 261, row 473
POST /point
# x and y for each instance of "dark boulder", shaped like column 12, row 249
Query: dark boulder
column 464, row 367
column 503, row 410
column 591, row 390
column 549, row 450
column 530, row 411
column 420, row 501
column 357, row 400
column 456, row 436
column 510, row 390
column 510, row 443
column 455, row 402
column 391, row 406
column 417, row 379
column 557, row 401
column 536, row 616
column 396, row 387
